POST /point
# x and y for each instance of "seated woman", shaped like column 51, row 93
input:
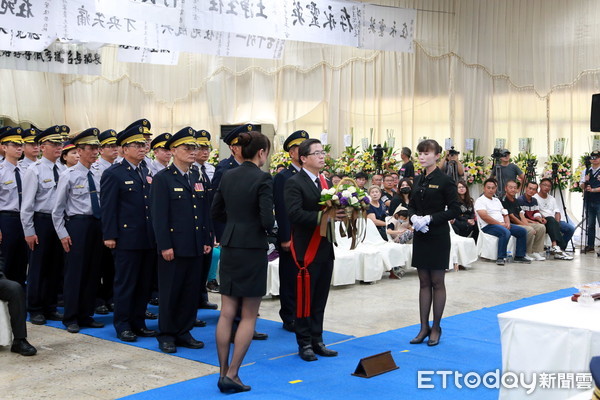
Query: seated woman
column 402, row 195
column 465, row 224
column 377, row 211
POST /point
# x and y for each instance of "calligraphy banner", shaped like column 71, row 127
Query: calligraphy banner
column 155, row 11
column 17, row 40
column 57, row 58
column 26, row 15
column 388, row 28
column 147, row 56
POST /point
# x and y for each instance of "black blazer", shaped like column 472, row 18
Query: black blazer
column 435, row 195
column 244, row 203
column 125, row 207
column 180, row 213
column 281, row 215
column 302, row 201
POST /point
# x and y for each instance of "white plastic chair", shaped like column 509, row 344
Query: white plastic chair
column 463, row 250
column 487, row 245
column 5, row 329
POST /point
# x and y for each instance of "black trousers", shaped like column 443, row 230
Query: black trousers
column 46, row 263
column 14, row 295
column 178, row 284
column 310, row 330
column 106, row 279
column 82, row 269
column 133, row 279
column 553, row 230
column 206, row 261
column 13, row 247
column 287, row 286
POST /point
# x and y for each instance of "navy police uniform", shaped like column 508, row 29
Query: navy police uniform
column 12, row 246
column 287, row 268
column 46, row 260
column 125, row 199
column 145, row 125
column 76, row 214
column 180, row 222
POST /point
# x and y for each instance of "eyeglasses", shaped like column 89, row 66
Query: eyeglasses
column 136, row 145
column 318, row 153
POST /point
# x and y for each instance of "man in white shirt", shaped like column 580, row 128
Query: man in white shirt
column 560, row 232
column 495, row 221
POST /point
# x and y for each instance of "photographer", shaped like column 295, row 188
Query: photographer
column 451, row 166
column 591, row 183
column 508, row 171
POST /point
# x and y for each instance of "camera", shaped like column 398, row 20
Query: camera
column 498, row 153
column 554, row 167
column 531, row 163
column 453, row 152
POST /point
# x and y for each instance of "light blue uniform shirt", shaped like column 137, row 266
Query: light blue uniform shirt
column 9, row 197
column 39, row 192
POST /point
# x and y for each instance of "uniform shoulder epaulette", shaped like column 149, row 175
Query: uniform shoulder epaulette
column 38, row 162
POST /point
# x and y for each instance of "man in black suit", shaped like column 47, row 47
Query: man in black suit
column 127, row 230
column 182, row 231
column 310, row 250
column 287, row 268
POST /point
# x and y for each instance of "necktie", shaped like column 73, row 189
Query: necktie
column 19, row 185
column 205, row 178
column 318, row 182
column 55, row 172
column 140, row 173
column 93, row 195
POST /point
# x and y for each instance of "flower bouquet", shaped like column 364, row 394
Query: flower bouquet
column 562, row 165
column 213, row 157
column 579, row 171
column 329, row 161
column 281, row 157
column 475, row 169
column 349, row 197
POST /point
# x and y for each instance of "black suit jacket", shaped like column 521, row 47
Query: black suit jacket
column 125, row 207
column 244, row 203
column 180, row 213
column 281, row 215
column 302, row 201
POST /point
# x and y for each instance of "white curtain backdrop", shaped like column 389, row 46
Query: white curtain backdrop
column 484, row 69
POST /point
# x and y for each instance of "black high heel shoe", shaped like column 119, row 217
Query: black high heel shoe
column 420, row 339
column 228, row 385
column 432, row 342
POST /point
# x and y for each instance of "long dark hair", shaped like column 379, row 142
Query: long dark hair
column 410, row 185
column 252, row 142
column 468, row 200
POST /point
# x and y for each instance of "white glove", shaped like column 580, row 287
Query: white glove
column 417, row 222
column 427, row 219
column 424, row 229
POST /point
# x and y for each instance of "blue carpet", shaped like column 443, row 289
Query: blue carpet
column 470, row 343
column 280, row 341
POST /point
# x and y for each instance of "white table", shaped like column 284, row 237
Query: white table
column 555, row 337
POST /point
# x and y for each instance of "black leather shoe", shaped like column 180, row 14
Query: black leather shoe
column 289, row 326
column 145, row 332
column 92, row 324
column 306, row 353
column 54, row 316
column 432, row 342
column 419, row 339
column 228, row 385
column 199, row 323
column 73, row 328
column 38, row 319
column 209, row 306
column 127, row 336
column 23, row 347
column 259, row 336
column 101, row 310
column 320, row 349
column 154, row 301
column 589, row 249
column 212, row 286
column 190, row 343
column 167, row 347
column 150, row 315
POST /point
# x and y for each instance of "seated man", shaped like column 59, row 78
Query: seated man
column 13, row 294
column 560, row 232
column 494, row 221
column 536, row 231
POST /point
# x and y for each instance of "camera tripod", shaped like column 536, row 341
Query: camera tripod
column 529, row 174
column 497, row 168
column 556, row 186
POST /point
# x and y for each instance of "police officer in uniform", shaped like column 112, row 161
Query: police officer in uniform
column 2, row 130
column 127, row 230
column 162, row 155
column 146, row 126
column 591, row 183
column 47, row 257
column 287, row 268
column 31, row 149
column 108, row 155
column 76, row 217
column 12, row 240
column 182, row 231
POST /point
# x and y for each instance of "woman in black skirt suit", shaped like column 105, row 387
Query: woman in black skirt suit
column 244, row 202
column 433, row 203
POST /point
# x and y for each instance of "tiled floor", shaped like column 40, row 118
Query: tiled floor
column 78, row 366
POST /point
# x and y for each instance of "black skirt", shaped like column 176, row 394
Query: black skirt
column 243, row 272
column 431, row 251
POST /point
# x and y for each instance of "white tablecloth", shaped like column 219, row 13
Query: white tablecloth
column 555, row 337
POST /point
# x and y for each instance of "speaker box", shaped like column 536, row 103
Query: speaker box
column 595, row 116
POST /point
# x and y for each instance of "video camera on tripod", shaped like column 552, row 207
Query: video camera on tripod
column 378, row 157
column 499, row 153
